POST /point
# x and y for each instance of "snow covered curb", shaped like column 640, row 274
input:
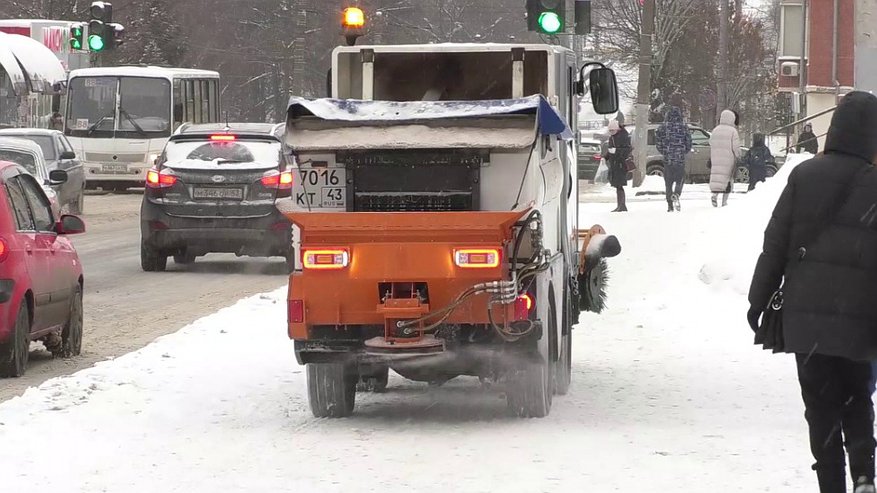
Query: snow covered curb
column 193, row 346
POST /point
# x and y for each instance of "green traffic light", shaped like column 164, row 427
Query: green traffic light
column 95, row 43
column 76, row 44
column 550, row 22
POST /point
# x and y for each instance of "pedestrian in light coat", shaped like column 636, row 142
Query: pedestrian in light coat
column 724, row 154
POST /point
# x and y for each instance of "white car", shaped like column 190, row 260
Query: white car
column 30, row 156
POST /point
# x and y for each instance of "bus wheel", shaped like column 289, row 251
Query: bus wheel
column 331, row 389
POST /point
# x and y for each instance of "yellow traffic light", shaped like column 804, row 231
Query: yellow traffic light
column 354, row 18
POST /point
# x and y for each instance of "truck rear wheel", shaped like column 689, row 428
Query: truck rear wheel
column 529, row 392
column 563, row 375
column 331, row 389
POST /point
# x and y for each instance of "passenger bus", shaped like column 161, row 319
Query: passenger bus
column 118, row 119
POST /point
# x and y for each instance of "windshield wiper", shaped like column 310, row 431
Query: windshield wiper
column 96, row 124
column 133, row 122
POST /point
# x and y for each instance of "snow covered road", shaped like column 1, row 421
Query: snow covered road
column 668, row 394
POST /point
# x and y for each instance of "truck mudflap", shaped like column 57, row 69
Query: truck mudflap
column 403, row 272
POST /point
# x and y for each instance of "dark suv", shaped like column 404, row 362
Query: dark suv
column 213, row 189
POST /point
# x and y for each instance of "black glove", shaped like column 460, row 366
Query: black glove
column 753, row 315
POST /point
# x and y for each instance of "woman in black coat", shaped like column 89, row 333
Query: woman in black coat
column 617, row 152
column 821, row 247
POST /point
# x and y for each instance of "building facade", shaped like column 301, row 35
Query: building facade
column 827, row 48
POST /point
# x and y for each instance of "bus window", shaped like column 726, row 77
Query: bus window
column 190, row 100
column 199, row 99
column 205, row 102
column 178, row 104
column 144, row 106
column 214, row 102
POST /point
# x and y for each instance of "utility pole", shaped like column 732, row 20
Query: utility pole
column 644, row 91
column 722, row 86
column 300, row 10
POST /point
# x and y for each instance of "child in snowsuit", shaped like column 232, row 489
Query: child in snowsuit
column 756, row 159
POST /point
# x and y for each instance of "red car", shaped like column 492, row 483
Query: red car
column 40, row 272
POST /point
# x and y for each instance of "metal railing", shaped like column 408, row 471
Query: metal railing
column 798, row 122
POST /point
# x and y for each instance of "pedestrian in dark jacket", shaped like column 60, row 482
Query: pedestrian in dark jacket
column 756, row 160
column 807, row 141
column 617, row 151
column 673, row 140
column 821, row 246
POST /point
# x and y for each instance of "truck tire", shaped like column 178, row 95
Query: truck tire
column 563, row 371
column 151, row 260
column 331, row 389
column 15, row 352
column 529, row 392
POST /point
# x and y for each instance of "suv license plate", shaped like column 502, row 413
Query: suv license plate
column 218, row 193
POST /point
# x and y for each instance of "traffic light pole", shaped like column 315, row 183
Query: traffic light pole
column 643, row 100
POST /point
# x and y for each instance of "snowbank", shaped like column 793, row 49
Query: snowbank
column 668, row 392
column 737, row 240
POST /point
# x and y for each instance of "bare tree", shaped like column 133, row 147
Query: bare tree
column 722, row 79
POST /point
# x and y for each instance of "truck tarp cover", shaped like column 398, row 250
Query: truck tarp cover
column 327, row 124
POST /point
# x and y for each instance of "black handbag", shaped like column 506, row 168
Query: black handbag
column 770, row 331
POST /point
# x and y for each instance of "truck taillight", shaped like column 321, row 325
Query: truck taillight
column 159, row 179
column 523, row 305
column 328, row 259
column 598, row 157
column 4, row 249
column 477, row 258
column 295, row 311
column 281, row 181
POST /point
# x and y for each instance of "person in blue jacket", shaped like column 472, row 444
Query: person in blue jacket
column 673, row 140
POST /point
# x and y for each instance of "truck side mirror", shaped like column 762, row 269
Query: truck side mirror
column 604, row 90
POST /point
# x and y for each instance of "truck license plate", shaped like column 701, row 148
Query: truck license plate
column 114, row 168
column 218, row 193
column 322, row 188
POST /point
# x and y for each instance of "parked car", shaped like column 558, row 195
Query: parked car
column 58, row 154
column 30, row 156
column 590, row 156
column 696, row 163
column 213, row 189
column 40, row 273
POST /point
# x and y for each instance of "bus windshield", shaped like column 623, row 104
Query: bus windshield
column 142, row 109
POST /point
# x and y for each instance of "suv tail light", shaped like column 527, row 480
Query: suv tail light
column 477, row 258
column 159, row 179
column 280, row 181
column 329, row 259
column 4, row 249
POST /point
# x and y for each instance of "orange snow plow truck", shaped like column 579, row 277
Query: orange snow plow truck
column 435, row 212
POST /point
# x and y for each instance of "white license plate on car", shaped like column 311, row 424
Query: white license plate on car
column 320, row 188
column 114, row 168
column 218, row 193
